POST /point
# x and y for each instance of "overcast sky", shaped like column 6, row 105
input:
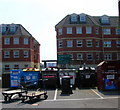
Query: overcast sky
column 39, row 17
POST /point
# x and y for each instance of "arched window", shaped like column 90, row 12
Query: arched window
column 105, row 19
column 73, row 18
column 82, row 17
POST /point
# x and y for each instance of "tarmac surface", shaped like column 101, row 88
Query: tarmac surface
column 81, row 98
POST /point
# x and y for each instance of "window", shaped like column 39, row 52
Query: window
column 12, row 28
column 3, row 28
column 16, row 54
column 82, row 18
column 0, row 29
column 118, row 56
column 16, row 66
column 107, row 43
column 6, row 54
column 60, row 44
column 69, row 30
column 71, row 56
column 7, row 67
column 16, row 40
column 79, row 43
column 118, row 43
column 26, row 41
column 97, row 44
column 69, row 43
column 97, row 56
column 26, row 65
column 105, row 19
column 80, row 56
column 96, row 30
column 89, row 56
column 88, row 30
column 7, row 41
column 89, row 43
column 117, row 31
column 79, row 30
column 73, row 18
column 60, row 31
column 108, row 56
column 106, row 31
column 26, row 54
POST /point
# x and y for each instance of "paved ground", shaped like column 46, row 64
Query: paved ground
column 81, row 98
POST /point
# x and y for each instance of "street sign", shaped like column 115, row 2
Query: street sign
column 63, row 59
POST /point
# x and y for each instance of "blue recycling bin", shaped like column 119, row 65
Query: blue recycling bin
column 15, row 78
column 31, row 77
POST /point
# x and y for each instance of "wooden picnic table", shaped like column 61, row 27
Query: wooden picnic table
column 9, row 93
column 34, row 94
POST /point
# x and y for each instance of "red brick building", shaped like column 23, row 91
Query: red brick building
column 19, row 48
column 88, row 39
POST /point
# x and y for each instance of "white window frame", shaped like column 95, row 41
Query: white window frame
column 117, row 31
column 6, row 41
column 78, row 30
column 60, row 44
column 97, row 56
column 69, row 30
column 26, row 41
column 107, row 56
column 73, row 18
column 97, row 44
column 26, row 54
column 79, row 56
column 118, row 56
column 107, row 43
column 106, row 31
column 60, row 31
column 69, row 43
column 96, row 30
column 6, row 54
column 12, row 28
column 89, row 55
column 82, row 17
column 16, row 40
column 16, row 54
column 105, row 19
column 71, row 56
column 0, row 29
column 88, row 30
column 7, row 67
column 3, row 28
column 89, row 43
column 79, row 43
column 117, row 43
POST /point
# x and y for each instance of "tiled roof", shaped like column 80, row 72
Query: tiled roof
column 90, row 20
column 20, row 30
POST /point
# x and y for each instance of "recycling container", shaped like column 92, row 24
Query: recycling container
column 66, row 87
column 87, row 77
column 50, row 77
column 108, row 75
column 15, row 77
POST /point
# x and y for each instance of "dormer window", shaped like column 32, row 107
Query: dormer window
column 3, row 28
column 0, row 29
column 105, row 19
column 12, row 28
column 73, row 18
column 82, row 18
